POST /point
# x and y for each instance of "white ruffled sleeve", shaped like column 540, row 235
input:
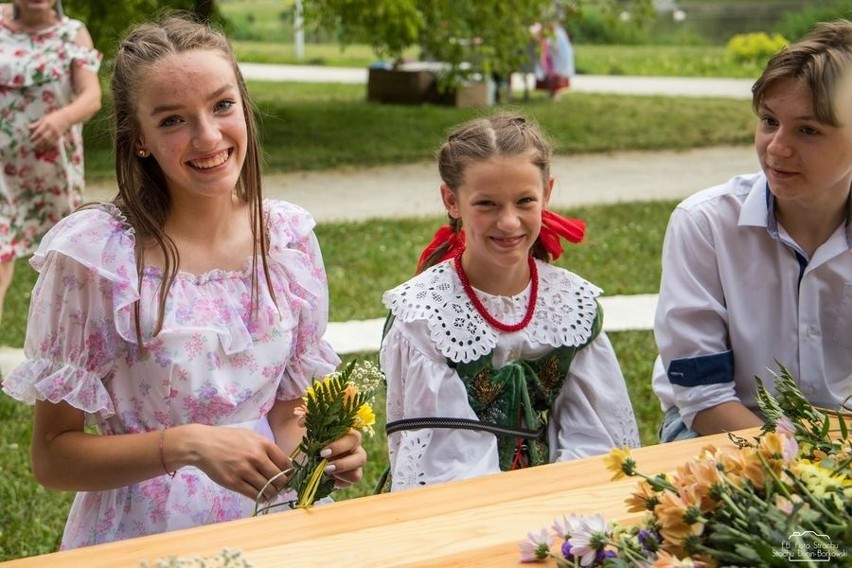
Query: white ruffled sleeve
column 87, row 282
column 421, row 384
column 593, row 409
column 301, row 287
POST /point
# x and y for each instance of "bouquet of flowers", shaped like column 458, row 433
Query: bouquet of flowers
column 784, row 497
column 331, row 407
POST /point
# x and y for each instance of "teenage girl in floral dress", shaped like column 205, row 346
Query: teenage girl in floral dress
column 494, row 358
column 181, row 322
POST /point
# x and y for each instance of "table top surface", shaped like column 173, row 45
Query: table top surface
column 473, row 522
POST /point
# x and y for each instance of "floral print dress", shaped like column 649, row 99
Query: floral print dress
column 37, row 187
column 214, row 361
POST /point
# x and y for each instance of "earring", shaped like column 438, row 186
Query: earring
column 141, row 153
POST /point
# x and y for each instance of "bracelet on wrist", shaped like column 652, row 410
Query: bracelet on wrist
column 162, row 454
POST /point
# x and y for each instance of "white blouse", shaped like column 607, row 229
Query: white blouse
column 435, row 321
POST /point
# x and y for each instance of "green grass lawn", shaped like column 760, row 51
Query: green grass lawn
column 320, row 127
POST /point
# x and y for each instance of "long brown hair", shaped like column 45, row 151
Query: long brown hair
column 143, row 197
column 482, row 139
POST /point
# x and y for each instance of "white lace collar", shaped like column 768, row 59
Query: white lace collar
column 564, row 313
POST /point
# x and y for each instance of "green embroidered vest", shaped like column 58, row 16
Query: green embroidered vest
column 519, row 395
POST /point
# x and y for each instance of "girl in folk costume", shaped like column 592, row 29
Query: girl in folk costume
column 494, row 358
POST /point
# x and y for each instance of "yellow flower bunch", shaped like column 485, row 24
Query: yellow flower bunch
column 331, row 407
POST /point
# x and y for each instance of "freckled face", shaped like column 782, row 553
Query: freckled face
column 806, row 161
column 500, row 204
column 191, row 121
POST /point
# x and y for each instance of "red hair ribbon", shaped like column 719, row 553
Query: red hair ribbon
column 554, row 226
column 444, row 235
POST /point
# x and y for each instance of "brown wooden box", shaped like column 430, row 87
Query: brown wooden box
column 400, row 86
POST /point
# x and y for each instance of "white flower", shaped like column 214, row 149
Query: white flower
column 536, row 547
column 590, row 537
column 567, row 525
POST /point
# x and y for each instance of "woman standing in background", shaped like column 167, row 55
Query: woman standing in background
column 48, row 88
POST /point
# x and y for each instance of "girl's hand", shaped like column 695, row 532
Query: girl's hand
column 238, row 459
column 47, row 130
column 346, row 458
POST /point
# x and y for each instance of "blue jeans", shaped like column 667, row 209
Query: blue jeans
column 672, row 427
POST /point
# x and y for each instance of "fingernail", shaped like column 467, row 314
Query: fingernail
column 329, row 469
column 326, row 453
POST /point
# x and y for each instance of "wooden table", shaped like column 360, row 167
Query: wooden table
column 475, row 522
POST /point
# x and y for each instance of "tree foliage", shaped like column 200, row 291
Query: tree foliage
column 491, row 36
column 107, row 20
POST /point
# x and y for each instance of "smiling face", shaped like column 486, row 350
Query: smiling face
column 499, row 203
column 191, row 121
column 808, row 162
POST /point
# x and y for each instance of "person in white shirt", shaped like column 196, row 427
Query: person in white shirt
column 757, row 272
column 494, row 358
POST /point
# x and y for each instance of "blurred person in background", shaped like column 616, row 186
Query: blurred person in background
column 48, row 87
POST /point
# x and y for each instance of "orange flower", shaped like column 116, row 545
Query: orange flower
column 704, row 478
column 350, row 392
column 667, row 560
column 673, row 514
column 643, row 500
column 771, row 446
column 752, row 467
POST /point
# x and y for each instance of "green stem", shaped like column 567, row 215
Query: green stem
column 307, row 498
column 657, row 481
column 730, row 502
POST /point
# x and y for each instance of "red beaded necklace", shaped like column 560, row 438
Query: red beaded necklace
column 494, row 322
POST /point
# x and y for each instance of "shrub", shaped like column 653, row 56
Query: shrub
column 754, row 47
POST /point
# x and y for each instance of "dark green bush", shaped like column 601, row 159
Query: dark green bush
column 796, row 24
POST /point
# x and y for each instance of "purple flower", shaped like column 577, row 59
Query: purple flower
column 789, row 449
column 785, row 426
column 566, row 551
column 649, row 540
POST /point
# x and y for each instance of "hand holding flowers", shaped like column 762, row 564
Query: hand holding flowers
column 334, row 409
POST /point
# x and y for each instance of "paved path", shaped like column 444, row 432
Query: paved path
column 617, row 84
column 412, row 190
